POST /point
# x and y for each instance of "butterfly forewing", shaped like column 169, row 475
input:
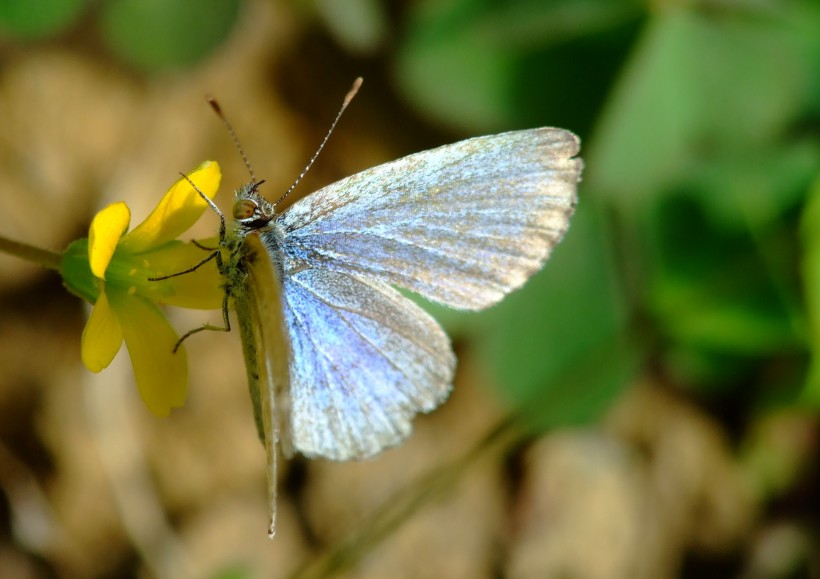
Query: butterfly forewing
column 462, row 225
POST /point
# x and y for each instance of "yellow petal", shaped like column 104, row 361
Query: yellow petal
column 161, row 375
column 106, row 229
column 177, row 211
column 102, row 336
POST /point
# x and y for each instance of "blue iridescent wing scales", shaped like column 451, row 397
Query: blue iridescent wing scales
column 365, row 361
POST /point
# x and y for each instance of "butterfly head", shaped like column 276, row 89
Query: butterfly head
column 251, row 209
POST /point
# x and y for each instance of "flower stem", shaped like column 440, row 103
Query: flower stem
column 404, row 504
column 48, row 259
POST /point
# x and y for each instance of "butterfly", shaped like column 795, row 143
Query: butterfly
column 338, row 361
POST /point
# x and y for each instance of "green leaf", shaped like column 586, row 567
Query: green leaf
column 716, row 287
column 731, row 322
column 810, row 230
column 484, row 65
column 237, row 572
column 560, row 349
column 753, row 188
column 697, row 83
column 157, row 35
column 29, row 19
column 360, row 26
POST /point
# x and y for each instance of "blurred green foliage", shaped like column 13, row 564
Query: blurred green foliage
column 156, row 34
column 25, row 19
column 699, row 122
column 151, row 35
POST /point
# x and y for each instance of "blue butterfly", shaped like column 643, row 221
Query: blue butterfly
column 338, row 361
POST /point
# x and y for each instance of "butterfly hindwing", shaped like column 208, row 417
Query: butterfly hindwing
column 259, row 308
column 365, row 361
column 462, row 225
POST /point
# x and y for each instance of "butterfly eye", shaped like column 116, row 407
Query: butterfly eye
column 245, row 209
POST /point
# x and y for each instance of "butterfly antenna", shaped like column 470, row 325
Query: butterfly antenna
column 348, row 97
column 218, row 110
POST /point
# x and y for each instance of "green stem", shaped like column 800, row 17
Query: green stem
column 47, row 259
column 405, row 503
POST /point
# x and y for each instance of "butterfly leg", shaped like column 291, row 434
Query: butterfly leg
column 210, row 327
column 220, row 265
column 217, row 255
column 215, row 209
column 203, row 247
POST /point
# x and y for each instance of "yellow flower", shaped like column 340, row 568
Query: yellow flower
column 111, row 269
